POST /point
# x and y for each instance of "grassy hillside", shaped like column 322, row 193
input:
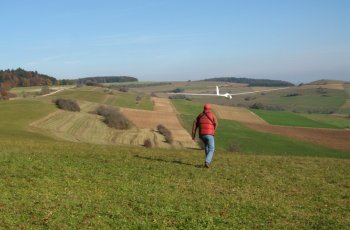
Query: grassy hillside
column 336, row 122
column 306, row 101
column 108, row 97
column 15, row 117
column 345, row 109
column 45, row 183
column 67, row 185
column 249, row 141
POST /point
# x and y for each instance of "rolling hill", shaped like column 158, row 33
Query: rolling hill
column 55, row 172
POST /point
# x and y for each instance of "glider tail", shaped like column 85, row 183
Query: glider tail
column 217, row 90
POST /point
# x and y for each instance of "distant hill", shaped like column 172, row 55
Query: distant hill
column 20, row 77
column 106, row 79
column 251, row 81
column 325, row 82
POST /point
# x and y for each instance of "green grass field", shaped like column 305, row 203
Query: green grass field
column 336, row 122
column 68, row 185
column 51, row 184
column 302, row 120
column 345, row 109
column 253, row 142
column 308, row 101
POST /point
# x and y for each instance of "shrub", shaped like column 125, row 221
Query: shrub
column 166, row 133
column 123, row 89
column 148, row 143
column 257, row 105
column 178, row 90
column 321, row 90
column 113, row 117
column 292, row 95
column 67, row 104
column 6, row 95
column 89, row 83
column 45, row 90
column 138, row 99
column 178, row 97
column 249, row 98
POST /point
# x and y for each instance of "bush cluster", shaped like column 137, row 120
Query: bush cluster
column 113, row 117
column 166, row 133
column 178, row 97
column 178, row 90
column 67, row 104
column 45, row 90
column 95, row 84
column 249, row 98
column 147, row 143
column 259, row 105
column 321, row 90
column 6, row 95
column 292, row 95
column 123, row 89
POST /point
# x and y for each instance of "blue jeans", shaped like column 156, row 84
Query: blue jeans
column 209, row 144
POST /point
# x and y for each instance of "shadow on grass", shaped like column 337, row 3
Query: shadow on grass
column 168, row 161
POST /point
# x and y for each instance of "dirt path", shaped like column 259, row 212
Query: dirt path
column 164, row 113
column 333, row 138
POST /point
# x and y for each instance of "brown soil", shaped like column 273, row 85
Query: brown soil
column 165, row 114
column 238, row 114
column 337, row 139
column 346, row 104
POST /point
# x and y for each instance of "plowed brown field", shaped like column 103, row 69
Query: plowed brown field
column 346, row 104
column 164, row 113
column 337, row 139
column 237, row 114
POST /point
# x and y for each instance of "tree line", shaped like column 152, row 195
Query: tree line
column 20, row 77
column 11, row 78
column 106, row 79
column 252, row 81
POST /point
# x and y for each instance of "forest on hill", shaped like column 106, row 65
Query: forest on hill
column 251, row 81
column 106, row 79
column 21, row 78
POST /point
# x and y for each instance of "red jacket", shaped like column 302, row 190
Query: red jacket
column 206, row 122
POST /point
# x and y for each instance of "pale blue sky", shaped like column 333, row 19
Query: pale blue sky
column 163, row 40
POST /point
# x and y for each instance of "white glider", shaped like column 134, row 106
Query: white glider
column 227, row 95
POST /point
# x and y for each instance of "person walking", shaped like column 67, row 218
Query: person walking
column 207, row 123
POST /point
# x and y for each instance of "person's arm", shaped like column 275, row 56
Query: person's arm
column 194, row 129
column 216, row 123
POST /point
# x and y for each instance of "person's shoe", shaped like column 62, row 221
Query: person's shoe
column 206, row 165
